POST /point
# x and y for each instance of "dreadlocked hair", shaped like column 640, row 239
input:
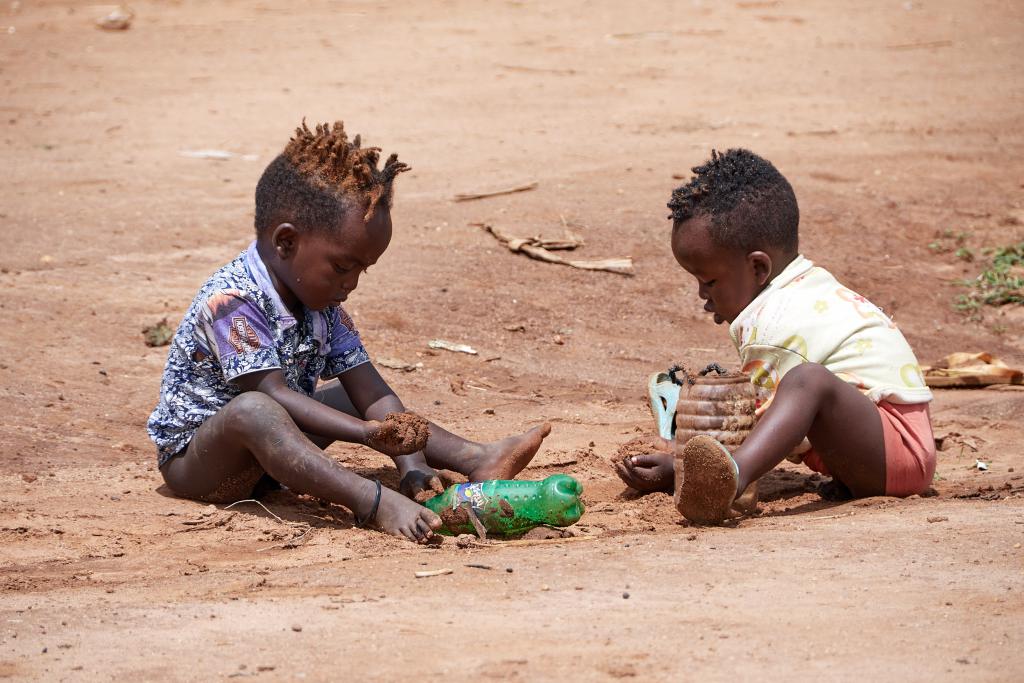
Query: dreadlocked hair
column 752, row 206
column 320, row 176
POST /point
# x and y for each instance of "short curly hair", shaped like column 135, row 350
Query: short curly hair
column 319, row 177
column 752, row 206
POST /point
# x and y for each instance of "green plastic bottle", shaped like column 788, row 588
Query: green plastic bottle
column 508, row 507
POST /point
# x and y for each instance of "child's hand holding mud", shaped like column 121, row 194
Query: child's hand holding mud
column 399, row 434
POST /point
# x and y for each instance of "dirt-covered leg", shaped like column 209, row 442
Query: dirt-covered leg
column 841, row 423
column 254, row 434
column 502, row 459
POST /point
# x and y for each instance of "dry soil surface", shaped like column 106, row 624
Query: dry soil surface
column 899, row 124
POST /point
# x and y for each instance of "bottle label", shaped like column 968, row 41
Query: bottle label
column 472, row 494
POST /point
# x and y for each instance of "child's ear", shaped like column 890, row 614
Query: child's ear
column 762, row 265
column 284, row 240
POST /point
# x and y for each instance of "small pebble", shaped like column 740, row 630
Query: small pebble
column 625, row 596
column 545, row 587
column 508, row 569
column 296, row 627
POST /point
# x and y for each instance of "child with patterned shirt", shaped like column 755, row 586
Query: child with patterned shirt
column 239, row 401
column 840, row 374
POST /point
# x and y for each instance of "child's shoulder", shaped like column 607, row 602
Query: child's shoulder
column 815, row 298
column 233, row 276
column 802, row 289
column 806, row 283
column 226, row 289
column 819, row 283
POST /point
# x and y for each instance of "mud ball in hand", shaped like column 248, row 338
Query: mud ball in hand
column 408, row 431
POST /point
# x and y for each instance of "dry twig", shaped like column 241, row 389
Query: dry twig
column 434, row 572
column 469, row 196
column 921, row 46
column 534, row 247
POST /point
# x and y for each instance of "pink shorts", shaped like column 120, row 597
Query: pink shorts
column 909, row 449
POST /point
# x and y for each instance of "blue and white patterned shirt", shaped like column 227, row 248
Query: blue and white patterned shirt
column 237, row 324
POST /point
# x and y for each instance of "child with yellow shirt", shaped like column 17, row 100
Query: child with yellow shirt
column 840, row 373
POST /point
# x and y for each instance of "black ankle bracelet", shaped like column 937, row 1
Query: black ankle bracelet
column 363, row 521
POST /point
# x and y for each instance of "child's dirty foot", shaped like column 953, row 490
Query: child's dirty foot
column 506, row 458
column 399, row 516
column 834, row 491
column 706, row 480
column 747, row 502
column 646, row 473
column 399, row 434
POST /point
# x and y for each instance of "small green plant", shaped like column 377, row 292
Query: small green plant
column 947, row 240
column 965, row 254
column 1001, row 283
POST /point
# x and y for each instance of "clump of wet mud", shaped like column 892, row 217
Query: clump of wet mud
column 506, row 508
column 642, row 445
column 454, row 519
column 404, row 432
column 424, row 495
column 683, row 376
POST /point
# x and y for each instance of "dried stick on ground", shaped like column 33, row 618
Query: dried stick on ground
column 532, row 247
column 469, row 196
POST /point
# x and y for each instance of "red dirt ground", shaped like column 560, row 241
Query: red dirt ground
column 894, row 121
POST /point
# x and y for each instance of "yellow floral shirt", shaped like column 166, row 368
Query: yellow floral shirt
column 806, row 316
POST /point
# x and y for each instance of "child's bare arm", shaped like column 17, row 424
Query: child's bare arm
column 369, row 393
column 373, row 397
column 314, row 417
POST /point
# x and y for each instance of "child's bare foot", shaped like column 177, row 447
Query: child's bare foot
column 647, row 472
column 399, row 516
column 506, row 458
column 399, row 434
column 834, row 491
column 706, row 481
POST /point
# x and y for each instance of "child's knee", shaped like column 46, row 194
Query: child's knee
column 252, row 411
column 816, row 383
